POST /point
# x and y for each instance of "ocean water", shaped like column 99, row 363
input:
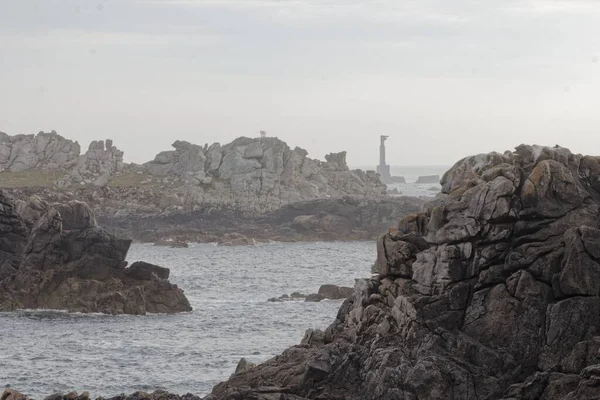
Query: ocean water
column 411, row 173
column 44, row 352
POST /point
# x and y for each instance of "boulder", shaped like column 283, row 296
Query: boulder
column 48, row 152
column 314, row 298
column 334, row 292
column 174, row 244
column 145, row 271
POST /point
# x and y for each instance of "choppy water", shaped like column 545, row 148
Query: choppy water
column 47, row 352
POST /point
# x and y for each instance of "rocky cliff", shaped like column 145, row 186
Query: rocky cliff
column 492, row 292
column 43, row 152
column 55, row 256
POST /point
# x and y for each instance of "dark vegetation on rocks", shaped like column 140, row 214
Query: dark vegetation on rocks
column 55, row 256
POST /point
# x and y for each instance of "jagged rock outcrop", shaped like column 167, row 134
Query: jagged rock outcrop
column 96, row 166
column 492, row 292
column 66, row 261
column 246, row 175
column 258, row 174
column 13, row 237
column 42, row 152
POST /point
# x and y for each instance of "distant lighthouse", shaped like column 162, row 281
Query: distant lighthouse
column 383, row 169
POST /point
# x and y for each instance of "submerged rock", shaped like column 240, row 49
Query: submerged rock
column 334, row 292
column 491, row 292
column 174, row 244
column 67, row 262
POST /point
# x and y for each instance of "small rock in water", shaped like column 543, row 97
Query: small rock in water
column 314, row 298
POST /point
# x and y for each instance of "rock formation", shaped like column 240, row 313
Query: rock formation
column 42, row 152
column 63, row 260
column 260, row 174
column 492, row 292
column 326, row 292
column 428, row 179
column 97, row 165
column 246, row 175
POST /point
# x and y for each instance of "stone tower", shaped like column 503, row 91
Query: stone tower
column 383, row 169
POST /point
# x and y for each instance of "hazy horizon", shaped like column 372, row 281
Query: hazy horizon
column 443, row 79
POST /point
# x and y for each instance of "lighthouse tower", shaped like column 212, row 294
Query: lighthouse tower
column 383, row 169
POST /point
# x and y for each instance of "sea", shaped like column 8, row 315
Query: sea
column 45, row 352
column 412, row 174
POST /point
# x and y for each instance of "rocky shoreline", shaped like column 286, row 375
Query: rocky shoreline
column 492, row 291
column 59, row 258
column 346, row 218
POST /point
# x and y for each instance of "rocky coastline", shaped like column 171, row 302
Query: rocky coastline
column 248, row 175
column 254, row 190
column 491, row 292
column 136, row 212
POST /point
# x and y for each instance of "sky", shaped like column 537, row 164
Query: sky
column 444, row 79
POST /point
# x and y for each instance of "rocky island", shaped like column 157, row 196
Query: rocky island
column 259, row 188
column 491, row 292
column 55, row 256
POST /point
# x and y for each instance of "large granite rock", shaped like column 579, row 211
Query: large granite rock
column 41, row 152
column 491, row 292
column 96, row 166
column 258, row 175
column 66, row 261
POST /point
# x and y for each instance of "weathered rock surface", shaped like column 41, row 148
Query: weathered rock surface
column 96, row 166
column 259, row 174
column 246, row 175
column 174, row 244
column 42, row 152
column 66, row 261
column 491, row 292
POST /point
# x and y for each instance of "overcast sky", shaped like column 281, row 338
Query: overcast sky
column 444, row 79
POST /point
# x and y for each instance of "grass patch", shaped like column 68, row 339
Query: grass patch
column 28, row 179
